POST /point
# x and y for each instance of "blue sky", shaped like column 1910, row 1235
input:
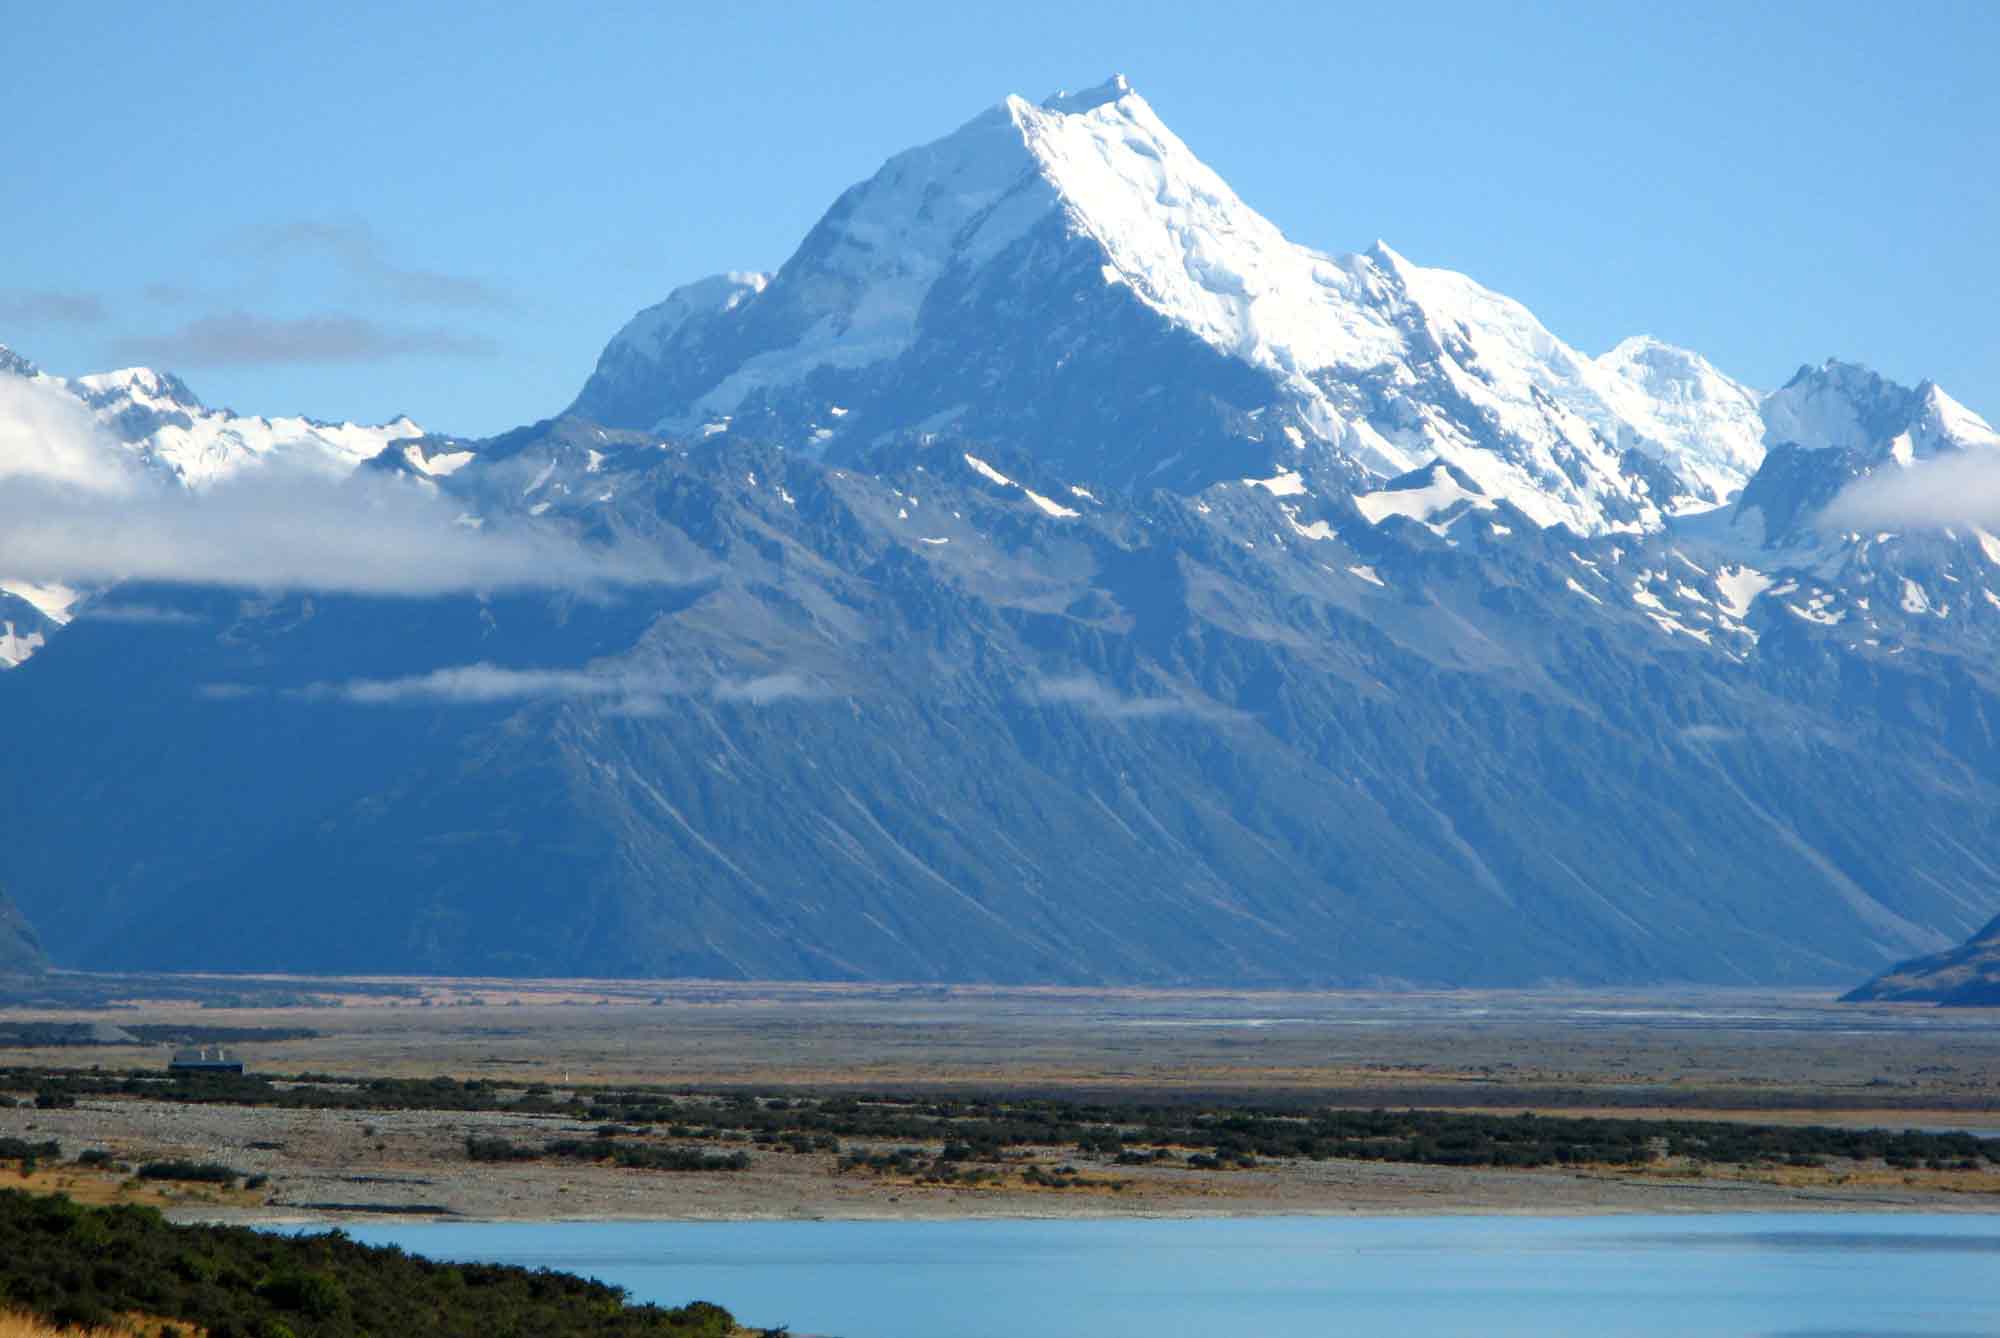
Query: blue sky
column 359, row 211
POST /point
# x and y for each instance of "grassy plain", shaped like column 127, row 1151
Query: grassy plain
column 1764, row 1057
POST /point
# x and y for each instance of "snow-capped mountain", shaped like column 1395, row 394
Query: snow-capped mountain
column 163, row 426
column 1073, row 579
column 30, row 614
column 1836, row 424
column 1841, row 406
column 146, row 428
column 1019, row 278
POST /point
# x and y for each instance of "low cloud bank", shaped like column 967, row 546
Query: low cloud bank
column 49, row 437
column 1959, row 488
column 77, row 509
column 364, row 537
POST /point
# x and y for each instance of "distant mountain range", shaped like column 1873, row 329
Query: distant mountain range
column 1061, row 576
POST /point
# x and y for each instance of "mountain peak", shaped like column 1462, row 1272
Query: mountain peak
column 14, row 364
column 1090, row 99
column 1084, row 227
column 143, row 386
column 1388, row 257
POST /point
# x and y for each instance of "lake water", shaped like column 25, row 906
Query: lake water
column 1883, row 1276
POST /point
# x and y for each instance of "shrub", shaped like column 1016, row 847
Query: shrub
column 85, row 1266
column 192, row 1172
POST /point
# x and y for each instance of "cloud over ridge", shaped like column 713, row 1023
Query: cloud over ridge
column 75, row 509
column 1956, row 488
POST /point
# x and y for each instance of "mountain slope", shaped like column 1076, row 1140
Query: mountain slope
column 1967, row 976
column 931, row 722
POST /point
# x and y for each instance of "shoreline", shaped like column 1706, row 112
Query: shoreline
column 332, row 1221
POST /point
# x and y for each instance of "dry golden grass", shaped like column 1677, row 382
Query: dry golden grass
column 1837, row 1176
column 97, row 1188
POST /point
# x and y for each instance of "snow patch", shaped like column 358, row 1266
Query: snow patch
column 1739, row 589
column 1286, row 484
column 1443, row 494
column 52, row 601
column 1056, row 509
column 16, row 648
column 987, row 471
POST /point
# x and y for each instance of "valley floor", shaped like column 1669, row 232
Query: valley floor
column 1766, row 1058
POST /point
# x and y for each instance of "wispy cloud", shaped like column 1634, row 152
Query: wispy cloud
column 1959, row 488
column 50, row 307
column 1710, row 734
column 765, row 689
column 357, row 249
column 137, row 613
column 488, row 684
column 1088, row 694
column 626, row 690
column 246, row 339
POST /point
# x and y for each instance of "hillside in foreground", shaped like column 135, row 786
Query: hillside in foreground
column 79, row 1266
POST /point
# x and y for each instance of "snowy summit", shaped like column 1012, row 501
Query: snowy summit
column 933, row 296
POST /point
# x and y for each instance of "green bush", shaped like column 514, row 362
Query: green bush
column 78, row 1265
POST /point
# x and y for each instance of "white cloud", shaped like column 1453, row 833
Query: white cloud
column 137, row 613
column 1087, row 694
column 276, row 532
column 50, row 437
column 486, row 684
column 1957, row 488
column 627, row 690
column 75, row 509
column 765, row 689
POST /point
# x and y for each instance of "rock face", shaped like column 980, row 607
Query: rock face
column 1076, row 581
column 1968, row 976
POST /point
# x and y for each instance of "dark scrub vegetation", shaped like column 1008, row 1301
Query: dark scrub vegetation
column 636, row 1156
column 76, row 1265
column 1203, row 1136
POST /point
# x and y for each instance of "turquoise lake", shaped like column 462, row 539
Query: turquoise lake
column 1846, row 1276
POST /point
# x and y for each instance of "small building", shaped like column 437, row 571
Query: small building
column 204, row 1059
